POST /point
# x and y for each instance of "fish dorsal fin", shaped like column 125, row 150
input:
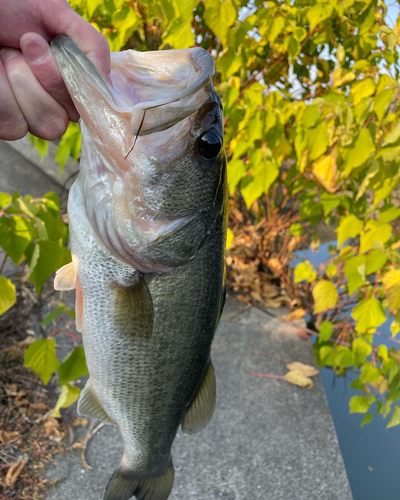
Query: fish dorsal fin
column 90, row 406
column 65, row 278
column 202, row 407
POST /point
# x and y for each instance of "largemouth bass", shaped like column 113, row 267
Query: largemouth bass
column 148, row 218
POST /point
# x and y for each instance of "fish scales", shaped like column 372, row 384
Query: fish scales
column 148, row 219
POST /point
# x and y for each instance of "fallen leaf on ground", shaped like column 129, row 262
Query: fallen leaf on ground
column 297, row 377
column 20, row 400
column 308, row 370
column 275, row 265
column 6, row 437
column 14, row 472
column 297, row 314
column 11, row 389
column 37, row 406
column 75, row 422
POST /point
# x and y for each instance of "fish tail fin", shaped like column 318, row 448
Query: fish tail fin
column 124, row 485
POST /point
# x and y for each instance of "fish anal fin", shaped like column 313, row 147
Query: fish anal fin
column 201, row 410
column 90, row 406
column 134, row 307
column 123, row 485
column 65, row 277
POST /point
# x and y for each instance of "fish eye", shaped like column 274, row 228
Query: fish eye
column 209, row 145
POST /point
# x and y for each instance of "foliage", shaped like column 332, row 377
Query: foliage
column 33, row 232
column 311, row 99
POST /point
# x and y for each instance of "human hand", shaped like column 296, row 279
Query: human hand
column 33, row 96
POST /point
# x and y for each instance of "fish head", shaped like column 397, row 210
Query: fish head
column 153, row 168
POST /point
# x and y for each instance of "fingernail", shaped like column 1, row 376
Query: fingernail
column 35, row 51
column 7, row 54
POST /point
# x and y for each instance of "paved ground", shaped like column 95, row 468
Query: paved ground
column 269, row 440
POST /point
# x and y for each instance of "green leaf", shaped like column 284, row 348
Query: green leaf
column 8, row 296
column 296, row 229
column 319, row 13
column 15, row 236
column 368, row 314
column 236, row 170
column 344, row 357
column 374, row 236
column 251, row 190
column 326, row 356
column 395, row 326
column 41, row 358
column 375, row 261
column 69, row 394
column 369, row 373
column 325, row 331
column 91, row 6
column 305, row 271
column 349, row 227
column 61, row 309
column 362, row 349
column 329, row 202
column 361, row 404
column 219, row 16
column 179, row 35
column 5, row 200
column 73, row 367
column 278, row 23
column 388, row 215
column 391, row 285
column 393, row 136
column 48, row 257
column 362, row 89
column 318, row 139
column 354, row 269
column 325, row 296
column 265, row 172
column 331, row 270
column 382, row 102
column 367, row 419
column 395, row 418
column 360, row 151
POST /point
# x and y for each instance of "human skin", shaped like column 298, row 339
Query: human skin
column 33, row 96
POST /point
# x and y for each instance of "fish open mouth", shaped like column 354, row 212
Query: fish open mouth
column 150, row 91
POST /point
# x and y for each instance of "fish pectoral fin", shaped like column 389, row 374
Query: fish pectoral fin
column 123, row 486
column 90, row 406
column 134, row 307
column 201, row 410
column 65, row 278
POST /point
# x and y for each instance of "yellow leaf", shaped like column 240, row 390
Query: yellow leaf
column 297, row 377
column 325, row 172
column 325, row 296
column 297, row 314
column 69, row 394
column 391, row 285
column 307, row 370
column 229, row 238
